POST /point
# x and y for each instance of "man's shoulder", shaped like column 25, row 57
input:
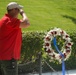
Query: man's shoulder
column 4, row 19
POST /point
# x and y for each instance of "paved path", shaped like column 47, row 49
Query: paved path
column 69, row 72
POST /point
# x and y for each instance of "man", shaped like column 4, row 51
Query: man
column 10, row 38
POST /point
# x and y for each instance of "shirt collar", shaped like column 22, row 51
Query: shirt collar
column 8, row 15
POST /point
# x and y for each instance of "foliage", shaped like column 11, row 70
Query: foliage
column 32, row 45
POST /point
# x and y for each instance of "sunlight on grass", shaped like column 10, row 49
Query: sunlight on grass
column 44, row 14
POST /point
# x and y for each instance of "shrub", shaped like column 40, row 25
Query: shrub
column 31, row 45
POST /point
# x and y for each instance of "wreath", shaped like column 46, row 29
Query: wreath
column 65, row 49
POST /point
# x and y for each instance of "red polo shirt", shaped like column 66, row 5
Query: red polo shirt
column 10, row 38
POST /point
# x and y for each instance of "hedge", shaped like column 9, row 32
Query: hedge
column 32, row 44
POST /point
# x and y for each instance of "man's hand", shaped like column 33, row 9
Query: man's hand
column 21, row 11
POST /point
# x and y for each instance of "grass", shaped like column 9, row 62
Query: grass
column 46, row 14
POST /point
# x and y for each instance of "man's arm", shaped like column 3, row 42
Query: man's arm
column 25, row 22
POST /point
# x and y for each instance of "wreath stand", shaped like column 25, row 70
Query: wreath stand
column 63, row 63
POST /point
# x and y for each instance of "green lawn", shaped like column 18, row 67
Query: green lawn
column 45, row 14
